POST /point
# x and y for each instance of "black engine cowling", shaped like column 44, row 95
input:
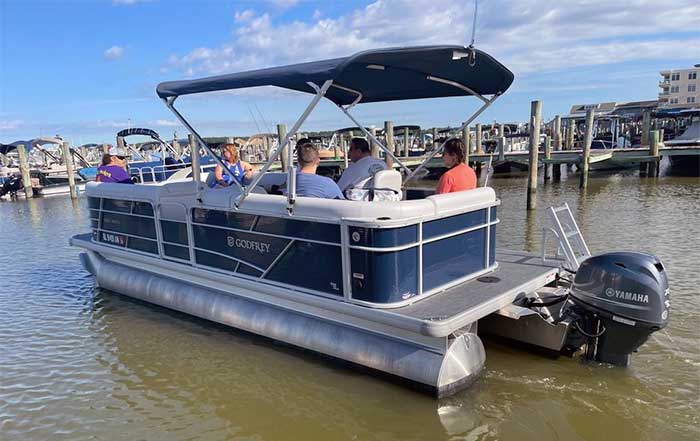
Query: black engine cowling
column 619, row 298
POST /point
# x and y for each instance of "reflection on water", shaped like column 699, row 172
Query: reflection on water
column 81, row 363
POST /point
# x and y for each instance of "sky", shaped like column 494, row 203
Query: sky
column 85, row 69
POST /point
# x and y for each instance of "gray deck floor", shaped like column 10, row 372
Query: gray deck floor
column 517, row 273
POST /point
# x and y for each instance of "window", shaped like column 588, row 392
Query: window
column 690, row 100
column 675, row 76
column 674, row 89
column 693, row 75
column 674, row 101
column 691, row 87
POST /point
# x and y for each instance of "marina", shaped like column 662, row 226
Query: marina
column 424, row 244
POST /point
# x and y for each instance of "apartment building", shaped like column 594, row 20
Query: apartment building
column 680, row 88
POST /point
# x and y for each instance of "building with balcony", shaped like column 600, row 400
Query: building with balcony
column 680, row 88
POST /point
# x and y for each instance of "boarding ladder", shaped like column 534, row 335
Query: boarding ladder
column 572, row 247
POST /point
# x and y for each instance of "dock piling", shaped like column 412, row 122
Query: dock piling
column 501, row 148
column 195, row 161
column 557, row 133
column 281, row 133
column 176, row 145
column 547, row 155
column 406, row 140
column 654, row 137
column 646, row 127
column 586, row 155
column 479, row 147
column 373, row 145
column 68, row 162
column 535, row 121
column 572, row 135
column 24, row 168
column 389, row 142
column 465, row 140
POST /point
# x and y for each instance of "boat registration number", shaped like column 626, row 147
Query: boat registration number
column 116, row 239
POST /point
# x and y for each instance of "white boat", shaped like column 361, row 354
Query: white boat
column 686, row 164
column 401, row 287
column 47, row 171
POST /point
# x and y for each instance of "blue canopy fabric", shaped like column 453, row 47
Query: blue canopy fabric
column 7, row 148
column 380, row 75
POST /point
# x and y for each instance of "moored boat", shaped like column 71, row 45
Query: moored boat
column 398, row 286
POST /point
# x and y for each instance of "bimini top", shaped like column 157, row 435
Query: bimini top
column 380, row 75
column 138, row 131
column 30, row 144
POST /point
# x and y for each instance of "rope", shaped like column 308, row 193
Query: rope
column 578, row 328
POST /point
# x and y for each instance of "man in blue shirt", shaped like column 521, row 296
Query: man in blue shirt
column 309, row 184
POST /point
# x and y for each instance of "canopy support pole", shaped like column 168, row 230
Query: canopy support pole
column 320, row 93
column 487, row 103
column 169, row 104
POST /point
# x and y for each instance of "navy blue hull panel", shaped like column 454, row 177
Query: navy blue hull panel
column 384, row 277
column 450, row 259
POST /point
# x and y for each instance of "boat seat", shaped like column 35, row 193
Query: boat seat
column 449, row 203
column 384, row 185
column 272, row 179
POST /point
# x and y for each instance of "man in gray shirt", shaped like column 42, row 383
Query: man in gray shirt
column 363, row 167
column 309, row 184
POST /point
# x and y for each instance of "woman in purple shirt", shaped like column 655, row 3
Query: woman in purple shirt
column 113, row 168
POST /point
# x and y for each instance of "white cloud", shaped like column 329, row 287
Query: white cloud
column 244, row 15
column 528, row 36
column 165, row 123
column 113, row 53
column 111, row 124
column 11, row 124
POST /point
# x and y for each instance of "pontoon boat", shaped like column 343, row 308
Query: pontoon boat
column 400, row 287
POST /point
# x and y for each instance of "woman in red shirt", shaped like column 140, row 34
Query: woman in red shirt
column 460, row 176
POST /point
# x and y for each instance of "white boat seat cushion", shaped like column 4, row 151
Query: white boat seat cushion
column 385, row 185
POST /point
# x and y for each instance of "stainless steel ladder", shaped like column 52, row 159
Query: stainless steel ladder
column 571, row 245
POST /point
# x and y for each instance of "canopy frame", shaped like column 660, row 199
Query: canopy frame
column 165, row 145
column 320, row 92
column 245, row 191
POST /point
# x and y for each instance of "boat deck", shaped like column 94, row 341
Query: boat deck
column 517, row 273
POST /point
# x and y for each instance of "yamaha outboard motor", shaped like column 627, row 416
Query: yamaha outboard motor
column 618, row 300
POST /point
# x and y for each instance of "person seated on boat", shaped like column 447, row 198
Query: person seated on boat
column 241, row 170
column 362, row 168
column 459, row 176
column 309, row 184
column 113, row 168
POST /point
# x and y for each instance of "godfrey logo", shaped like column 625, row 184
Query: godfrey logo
column 252, row 245
column 626, row 295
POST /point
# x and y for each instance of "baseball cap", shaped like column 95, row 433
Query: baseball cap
column 116, row 151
